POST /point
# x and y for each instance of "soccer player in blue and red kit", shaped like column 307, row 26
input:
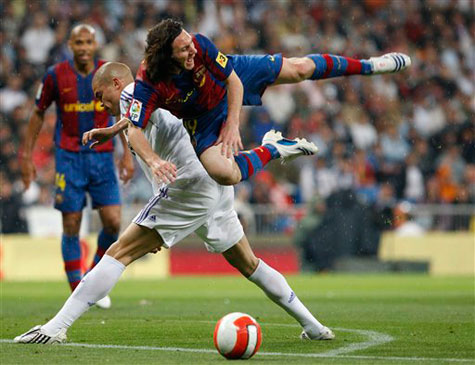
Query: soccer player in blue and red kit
column 78, row 168
column 187, row 75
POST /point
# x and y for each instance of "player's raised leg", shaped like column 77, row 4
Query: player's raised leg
column 134, row 243
column 276, row 288
column 323, row 66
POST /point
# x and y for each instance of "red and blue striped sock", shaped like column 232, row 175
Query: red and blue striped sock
column 327, row 66
column 104, row 241
column 71, row 252
column 250, row 162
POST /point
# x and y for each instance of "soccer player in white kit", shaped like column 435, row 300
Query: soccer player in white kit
column 185, row 200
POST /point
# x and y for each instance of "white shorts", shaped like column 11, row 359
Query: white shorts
column 194, row 205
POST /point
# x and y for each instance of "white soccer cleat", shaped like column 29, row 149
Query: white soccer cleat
column 36, row 335
column 289, row 149
column 104, row 303
column 389, row 63
column 325, row 334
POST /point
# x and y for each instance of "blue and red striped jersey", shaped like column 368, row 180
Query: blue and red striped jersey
column 77, row 110
column 188, row 95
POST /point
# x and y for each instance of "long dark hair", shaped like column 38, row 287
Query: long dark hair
column 158, row 53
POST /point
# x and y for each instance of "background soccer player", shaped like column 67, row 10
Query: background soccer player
column 78, row 168
column 187, row 75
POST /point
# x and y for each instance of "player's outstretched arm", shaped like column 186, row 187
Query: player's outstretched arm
column 101, row 135
column 229, row 134
column 28, row 171
column 164, row 171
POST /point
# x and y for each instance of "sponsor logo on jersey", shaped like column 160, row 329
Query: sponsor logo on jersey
column 135, row 110
column 83, row 107
column 222, row 60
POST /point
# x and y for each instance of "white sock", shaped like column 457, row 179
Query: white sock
column 94, row 286
column 278, row 290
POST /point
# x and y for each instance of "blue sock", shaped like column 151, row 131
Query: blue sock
column 104, row 241
column 252, row 161
column 71, row 252
column 328, row 66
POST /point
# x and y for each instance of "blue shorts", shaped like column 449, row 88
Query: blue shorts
column 81, row 172
column 256, row 74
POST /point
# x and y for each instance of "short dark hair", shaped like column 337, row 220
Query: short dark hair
column 159, row 49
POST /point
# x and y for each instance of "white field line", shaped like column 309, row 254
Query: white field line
column 307, row 355
column 374, row 339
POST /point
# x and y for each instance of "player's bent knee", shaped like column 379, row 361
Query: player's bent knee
column 71, row 223
column 112, row 226
column 110, row 217
column 297, row 69
column 221, row 169
column 306, row 68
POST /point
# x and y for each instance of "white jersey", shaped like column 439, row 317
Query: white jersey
column 194, row 202
column 169, row 140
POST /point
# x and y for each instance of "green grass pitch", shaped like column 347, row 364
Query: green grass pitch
column 386, row 319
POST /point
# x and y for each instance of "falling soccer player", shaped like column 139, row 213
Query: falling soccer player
column 187, row 75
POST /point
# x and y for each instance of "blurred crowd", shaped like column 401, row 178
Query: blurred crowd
column 403, row 137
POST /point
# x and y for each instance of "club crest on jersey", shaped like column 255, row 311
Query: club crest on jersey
column 135, row 109
column 222, row 60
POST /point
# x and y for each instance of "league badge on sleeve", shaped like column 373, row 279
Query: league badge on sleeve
column 135, row 109
column 222, row 60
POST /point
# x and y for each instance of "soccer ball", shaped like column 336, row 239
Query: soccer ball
column 237, row 336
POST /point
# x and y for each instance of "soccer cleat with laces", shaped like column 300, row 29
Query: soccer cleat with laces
column 325, row 334
column 36, row 335
column 389, row 63
column 289, row 149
